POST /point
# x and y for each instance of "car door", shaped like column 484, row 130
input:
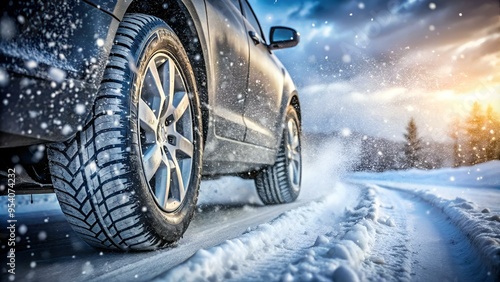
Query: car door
column 229, row 52
column 265, row 86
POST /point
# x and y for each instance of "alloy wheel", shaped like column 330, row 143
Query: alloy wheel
column 166, row 132
column 293, row 154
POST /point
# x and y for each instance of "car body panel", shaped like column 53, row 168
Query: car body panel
column 51, row 81
column 229, row 52
column 265, row 89
column 243, row 87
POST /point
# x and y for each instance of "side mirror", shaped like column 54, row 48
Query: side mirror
column 283, row 37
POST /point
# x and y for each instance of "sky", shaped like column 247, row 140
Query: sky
column 369, row 66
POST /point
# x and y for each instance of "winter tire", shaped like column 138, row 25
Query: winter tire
column 129, row 179
column 280, row 183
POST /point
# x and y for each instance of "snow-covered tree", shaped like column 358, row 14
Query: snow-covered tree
column 413, row 146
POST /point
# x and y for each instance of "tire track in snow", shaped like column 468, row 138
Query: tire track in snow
column 390, row 257
column 439, row 249
column 321, row 241
column 480, row 227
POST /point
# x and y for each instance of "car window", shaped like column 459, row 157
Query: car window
column 252, row 19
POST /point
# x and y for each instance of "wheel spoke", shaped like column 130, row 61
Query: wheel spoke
column 156, row 86
column 295, row 142
column 296, row 173
column 167, row 188
column 291, row 134
column 181, row 106
column 291, row 172
column 162, row 179
column 163, row 182
column 171, row 80
column 296, row 167
column 152, row 159
column 293, row 153
column 147, row 118
column 180, row 180
column 164, row 71
column 185, row 146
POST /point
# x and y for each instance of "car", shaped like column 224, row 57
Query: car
column 122, row 107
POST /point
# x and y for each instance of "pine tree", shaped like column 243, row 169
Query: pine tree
column 413, row 145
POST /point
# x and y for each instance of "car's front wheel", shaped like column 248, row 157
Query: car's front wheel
column 129, row 180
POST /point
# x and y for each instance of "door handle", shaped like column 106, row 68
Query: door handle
column 255, row 37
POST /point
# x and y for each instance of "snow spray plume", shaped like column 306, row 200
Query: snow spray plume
column 326, row 160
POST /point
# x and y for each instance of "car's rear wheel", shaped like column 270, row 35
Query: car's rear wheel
column 280, row 183
column 129, row 180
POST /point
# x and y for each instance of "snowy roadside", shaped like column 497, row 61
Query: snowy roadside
column 312, row 242
column 480, row 226
column 485, row 175
column 478, row 222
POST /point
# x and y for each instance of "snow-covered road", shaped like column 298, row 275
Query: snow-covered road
column 51, row 251
column 419, row 243
column 364, row 227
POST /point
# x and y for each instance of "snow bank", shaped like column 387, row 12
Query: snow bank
column 333, row 255
column 486, row 175
column 480, row 226
column 339, row 258
column 221, row 261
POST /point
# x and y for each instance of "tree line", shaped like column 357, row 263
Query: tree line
column 476, row 139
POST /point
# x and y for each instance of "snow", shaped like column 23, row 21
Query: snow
column 333, row 253
column 4, row 78
column 42, row 57
column 485, row 175
column 396, row 225
column 57, row 75
column 481, row 227
column 479, row 221
column 355, row 247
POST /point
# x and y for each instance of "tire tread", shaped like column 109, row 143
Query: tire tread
column 272, row 183
column 103, row 218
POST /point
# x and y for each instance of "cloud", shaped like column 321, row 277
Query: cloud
column 382, row 113
column 379, row 31
column 369, row 67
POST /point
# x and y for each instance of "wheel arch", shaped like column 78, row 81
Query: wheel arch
column 183, row 18
column 289, row 98
column 294, row 102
